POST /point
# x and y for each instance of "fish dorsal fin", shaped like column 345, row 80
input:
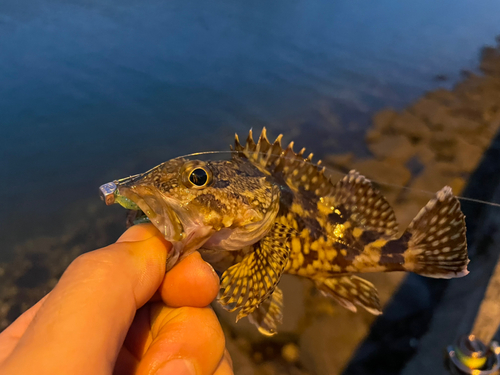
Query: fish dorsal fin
column 295, row 170
column 366, row 207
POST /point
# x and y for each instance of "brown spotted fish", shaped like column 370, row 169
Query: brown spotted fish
column 269, row 211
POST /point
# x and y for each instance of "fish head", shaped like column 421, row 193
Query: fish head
column 223, row 204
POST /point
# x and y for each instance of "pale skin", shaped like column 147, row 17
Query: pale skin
column 115, row 311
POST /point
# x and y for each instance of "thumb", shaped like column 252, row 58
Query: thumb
column 81, row 326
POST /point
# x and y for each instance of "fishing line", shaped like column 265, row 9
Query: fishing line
column 427, row 192
column 333, row 171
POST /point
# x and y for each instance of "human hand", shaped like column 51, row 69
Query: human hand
column 97, row 320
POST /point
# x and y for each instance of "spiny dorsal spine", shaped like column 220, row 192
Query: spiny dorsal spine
column 297, row 170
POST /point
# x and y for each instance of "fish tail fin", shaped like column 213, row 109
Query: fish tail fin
column 437, row 245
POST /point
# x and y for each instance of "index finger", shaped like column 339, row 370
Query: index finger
column 190, row 283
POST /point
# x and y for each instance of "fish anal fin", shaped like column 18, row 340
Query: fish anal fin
column 351, row 291
column 269, row 314
column 245, row 285
column 437, row 245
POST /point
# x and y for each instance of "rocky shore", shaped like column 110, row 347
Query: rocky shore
column 438, row 140
column 40, row 262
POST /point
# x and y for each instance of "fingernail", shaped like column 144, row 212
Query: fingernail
column 177, row 367
column 213, row 271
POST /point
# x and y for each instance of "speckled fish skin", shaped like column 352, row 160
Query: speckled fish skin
column 270, row 210
column 234, row 210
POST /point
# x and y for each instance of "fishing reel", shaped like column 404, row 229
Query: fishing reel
column 470, row 355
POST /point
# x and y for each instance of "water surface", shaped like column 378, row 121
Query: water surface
column 94, row 90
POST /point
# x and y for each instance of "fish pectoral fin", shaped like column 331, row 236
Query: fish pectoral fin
column 366, row 207
column 350, row 291
column 247, row 284
column 269, row 314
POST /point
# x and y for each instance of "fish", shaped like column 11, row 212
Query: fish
column 269, row 211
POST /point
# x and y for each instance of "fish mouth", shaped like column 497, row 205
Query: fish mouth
column 148, row 202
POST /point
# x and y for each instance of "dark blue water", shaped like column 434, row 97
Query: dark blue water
column 91, row 90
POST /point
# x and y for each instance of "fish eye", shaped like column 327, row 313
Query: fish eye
column 198, row 177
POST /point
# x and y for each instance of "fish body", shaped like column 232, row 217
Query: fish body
column 270, row 211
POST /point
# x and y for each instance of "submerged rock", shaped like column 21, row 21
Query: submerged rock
column 413, row 127
column 435, row 176
column 396, row 147
column 329, row 341
column 468, row 155
column 490, row 61
column 339, row 160
column 387, row 171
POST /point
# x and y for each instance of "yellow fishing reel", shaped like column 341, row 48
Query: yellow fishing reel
column 471, row 356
